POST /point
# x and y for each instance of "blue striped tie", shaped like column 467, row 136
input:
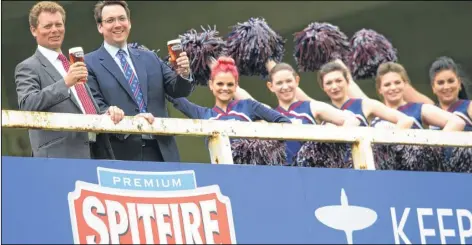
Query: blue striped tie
column 132, row 80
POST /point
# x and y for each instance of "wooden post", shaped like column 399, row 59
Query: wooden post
column 362, row 154
column 220, row 149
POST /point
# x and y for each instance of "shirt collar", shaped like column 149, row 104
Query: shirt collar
column 50, row 54
column 113, row 50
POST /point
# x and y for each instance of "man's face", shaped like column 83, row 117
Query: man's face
column 115, row 25
column 50, row 30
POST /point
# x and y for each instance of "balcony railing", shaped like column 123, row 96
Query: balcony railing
column 219, row 132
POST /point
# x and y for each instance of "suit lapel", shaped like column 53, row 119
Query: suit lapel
column 109, row 63
column 140, row 67
column 52, row 71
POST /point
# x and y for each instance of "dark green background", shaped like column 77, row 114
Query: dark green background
column 421, row 31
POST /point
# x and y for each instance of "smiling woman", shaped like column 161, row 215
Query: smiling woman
column 390, row 83
column 223, row 84
column 284, row 82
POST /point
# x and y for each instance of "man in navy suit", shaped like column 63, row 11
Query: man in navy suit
column 136, row 81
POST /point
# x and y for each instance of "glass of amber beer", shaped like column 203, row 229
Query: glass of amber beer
column 175, row 48
column 76, row 54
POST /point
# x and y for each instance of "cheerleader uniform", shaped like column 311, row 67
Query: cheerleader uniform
column 407, row 157
column 458, row 159
column 299, row 113
column 247, row 110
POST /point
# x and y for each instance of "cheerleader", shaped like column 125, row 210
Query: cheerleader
column 391, row 80
column 333, row 79
column 390, row 83
column 283, row 82
column 223, row 84
column 446, row 83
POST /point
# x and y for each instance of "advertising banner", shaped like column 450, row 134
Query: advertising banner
column 90, row 201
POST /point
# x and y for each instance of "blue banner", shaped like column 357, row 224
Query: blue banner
column 88, row 201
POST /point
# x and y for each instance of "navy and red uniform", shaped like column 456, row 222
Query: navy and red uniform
column 412, row 110
column 299, row 113
column 355, row 106
column 459, row 108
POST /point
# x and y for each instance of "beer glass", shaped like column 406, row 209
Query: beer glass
column 76, row 54
column 175, row 48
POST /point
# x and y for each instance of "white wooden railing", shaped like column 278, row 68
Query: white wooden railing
column 361, row 138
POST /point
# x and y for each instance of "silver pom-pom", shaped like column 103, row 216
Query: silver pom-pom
column 258, row 152
column 457, row 159
column 324, row 155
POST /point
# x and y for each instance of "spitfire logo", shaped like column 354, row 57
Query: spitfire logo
column 149, row 207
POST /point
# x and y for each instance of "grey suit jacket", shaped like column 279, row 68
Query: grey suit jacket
column 40, row 87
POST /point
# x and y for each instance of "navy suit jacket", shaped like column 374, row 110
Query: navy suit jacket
column 110, row 88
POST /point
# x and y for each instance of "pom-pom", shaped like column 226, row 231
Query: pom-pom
column 142, row 47
column 252, row 44
column 200, row 48
column 369, row 50
column 318, row 44
column 324, row 155
column 418, row 158
column 457, row 159
column 258, row 152
column 385, row 156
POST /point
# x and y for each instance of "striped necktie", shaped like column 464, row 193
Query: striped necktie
column 132, row 80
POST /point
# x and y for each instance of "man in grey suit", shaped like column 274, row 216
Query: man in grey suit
column 47, row 82
column 135, row 80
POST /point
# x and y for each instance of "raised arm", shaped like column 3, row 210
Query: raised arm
column 242, row 94
column 267, row 114
column 377, row 109
column 332, row 115
column 410, row 94
column 435, row 116
column 175, row 85
column 188, row 108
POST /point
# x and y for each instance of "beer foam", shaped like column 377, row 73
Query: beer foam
column 75, row 50
column 175, row 41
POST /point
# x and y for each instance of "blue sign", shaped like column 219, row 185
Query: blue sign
column 145, row 180
column 88, row 201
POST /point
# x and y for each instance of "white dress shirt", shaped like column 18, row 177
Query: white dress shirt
column 52, row 56
column 113, row 51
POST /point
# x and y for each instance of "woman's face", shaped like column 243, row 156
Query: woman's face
column 335, row 85
column 392, row 87
column 223, row 86
column 446, row 86
column 284, row 85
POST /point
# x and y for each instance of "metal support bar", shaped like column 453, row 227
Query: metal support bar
column 362, row 154
column 220, row 149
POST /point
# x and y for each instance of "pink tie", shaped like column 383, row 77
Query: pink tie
column 81, row 90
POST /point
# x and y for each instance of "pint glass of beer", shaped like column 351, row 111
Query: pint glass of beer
column 76, row 55
column 175, row 48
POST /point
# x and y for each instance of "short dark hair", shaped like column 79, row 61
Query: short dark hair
column 97, row 12
column 330, row 67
